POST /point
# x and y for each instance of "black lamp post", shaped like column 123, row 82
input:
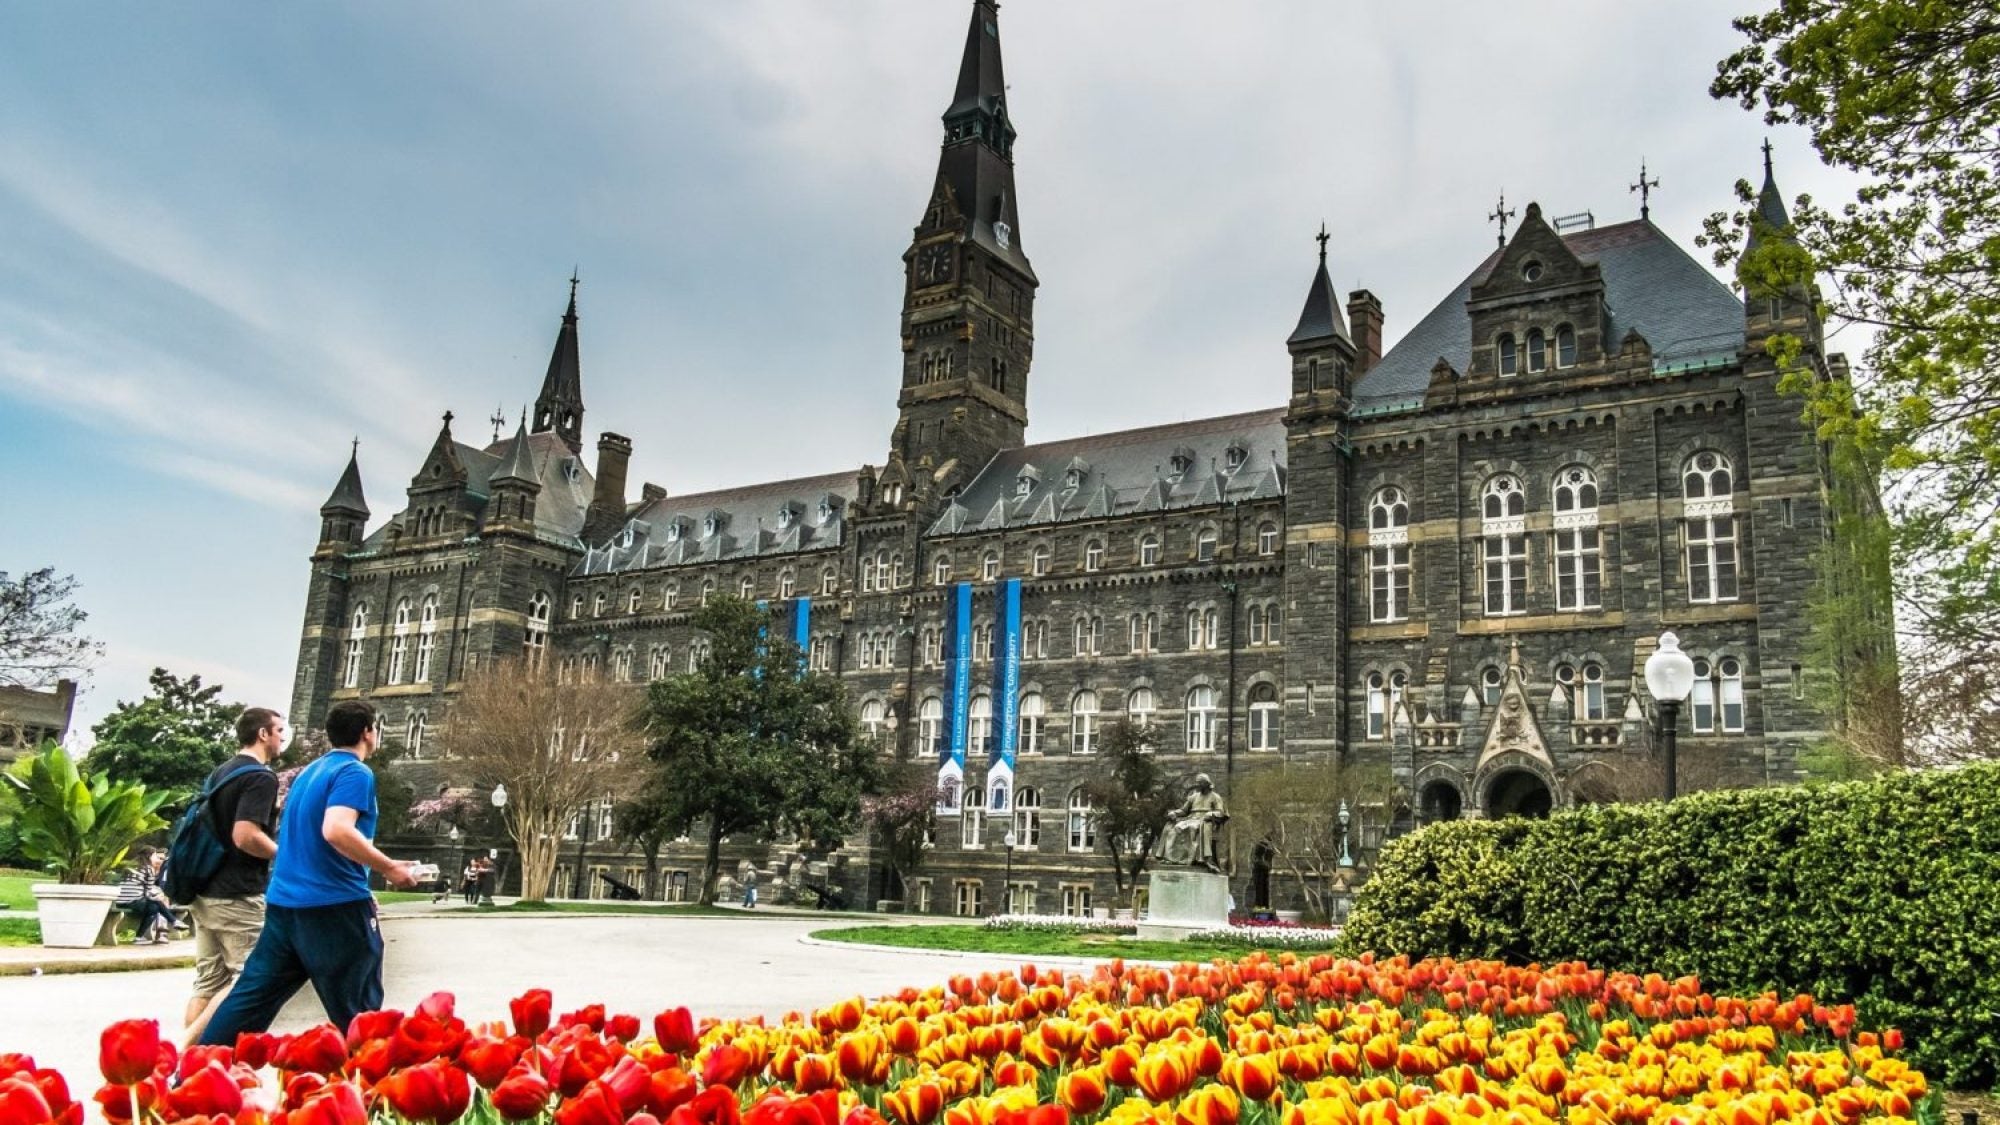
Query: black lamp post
column 581, row 886
column 487, row 880
column 1669, row 679
column 1007, row 881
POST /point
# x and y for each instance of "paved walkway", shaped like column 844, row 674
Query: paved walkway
column 724, row 966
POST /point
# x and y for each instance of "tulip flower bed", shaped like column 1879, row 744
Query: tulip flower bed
column 1283, row 1040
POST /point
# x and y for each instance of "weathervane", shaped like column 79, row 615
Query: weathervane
column 1500, row 215
column 498, row 419
column 1645, row 189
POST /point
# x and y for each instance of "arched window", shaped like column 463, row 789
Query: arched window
column 1507, row 356
column 930, row 728
column 872, row 714
column 1490, row 686
column 357, row 633
column 399, row 641
column 1565, row 346
column 1093, row 555
column 941, row 570
column 1083, row 722
column 632, row 600
column 895, row 577
column 621, row 665
column 1082, row 822
column 746, row 587
column 989, row 566
column 1585, row 690
column 1201, row 718
column 1255, row 616
column 1204, row 545
column 979, row 727
column 787, row 585
column 1038, row 561
column 1267, row 538
column 1089, row 635
column 1149, row 550
column 1538, row 350
column 597, row 603
column 1389, row 555
column 707, row 590
column 658, row 659
column 1271, row 615
column 1027, row 817
column 1710, row 521
column 414, row 732
column 427, row 623
column 1579, row 541
column 1717, row 700
column 575, row 607
column 1139, row 707
column 1385, row 694
column 829, row 581
column 670, row 595
column 867, row 573
column 1263, row 717
column 1503, row 545
column 1029, row 737
column 535, row 646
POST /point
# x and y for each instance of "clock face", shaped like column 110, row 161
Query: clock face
column 934, row 265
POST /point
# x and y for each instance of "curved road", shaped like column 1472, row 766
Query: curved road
column 631, row 963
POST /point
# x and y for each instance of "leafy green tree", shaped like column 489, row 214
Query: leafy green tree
column 1906, row 94
column 650, row 817
column 40, row 632
column 902, row 818
column 171, row 739
column 750, row 742
column 1133, row 796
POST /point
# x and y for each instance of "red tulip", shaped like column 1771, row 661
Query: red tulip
column 521, row 1095
column 1035, row 1115
column 320, row 1050
column 337, row 1104
column 590, row 1016
column 129, row 1050
column 631, row 1082
column 594, row 1105
column 674, row 1029
column 436, row 1091
column 671, row 1088
column 22, row 1103
column 300, row 1087
column 115, row 1102
column 438, row 1006
column 726, row 1065
column 367, row 1026
column 531, row 1012
column 488, row 1060
column 209, row 1090
column 254, row 1049
column 713, row 1106
column 580, row 1062
column 622, row 1027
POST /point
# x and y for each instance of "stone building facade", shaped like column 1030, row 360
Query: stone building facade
column 1450, row 559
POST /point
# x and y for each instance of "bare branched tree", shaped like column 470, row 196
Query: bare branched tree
column 1952, row 703
column 556, row 744
column 1293, row 810
column 40, row 632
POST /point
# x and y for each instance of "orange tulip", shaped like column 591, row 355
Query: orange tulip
column 1163, row 1075
column 917, row 1103
column 1253, row 1076
column 1083, row 1091
column 1210, row 1105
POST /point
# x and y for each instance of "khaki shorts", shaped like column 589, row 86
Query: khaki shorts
column 225, row 930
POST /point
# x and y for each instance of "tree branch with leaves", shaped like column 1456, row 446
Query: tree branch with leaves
column 1133, row 797
column 41, row 637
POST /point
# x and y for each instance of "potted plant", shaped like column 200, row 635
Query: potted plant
column 80, row 827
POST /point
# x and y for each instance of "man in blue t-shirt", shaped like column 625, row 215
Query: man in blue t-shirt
column 320, row 923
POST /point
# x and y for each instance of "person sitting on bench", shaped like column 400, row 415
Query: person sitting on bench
column 139, row 895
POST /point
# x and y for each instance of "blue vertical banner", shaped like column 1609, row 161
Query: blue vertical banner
column 1007, row 692
column 958, row 683
column 802, row 610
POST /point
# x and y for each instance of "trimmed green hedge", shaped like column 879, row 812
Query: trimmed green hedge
column 1882, row 893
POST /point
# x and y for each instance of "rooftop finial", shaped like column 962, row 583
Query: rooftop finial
column 1767, row 158
column 354, row 448
column 1645, row 189
column 1500, row 215
column 573, row 279
column 498, row 419
column 1322, row 238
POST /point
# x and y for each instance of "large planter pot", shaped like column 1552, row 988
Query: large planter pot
column 72, row 914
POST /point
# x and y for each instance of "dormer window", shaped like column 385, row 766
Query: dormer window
column 674, row 532
column 571, row 470
column 625, row 537
column 710, row 526
column 825, row 510
column 1234, row 456
column 1024, row 487
column 1182, row 461
column 1073, row 478
column 787, row 516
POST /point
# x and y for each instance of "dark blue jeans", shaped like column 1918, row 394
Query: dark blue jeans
column 145, row 913
column 338, row 949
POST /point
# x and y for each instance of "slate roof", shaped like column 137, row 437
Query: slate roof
column 1650, row 284
column 1156, row 469
column 559, row 507
column 780, row 518
column 347, row 495
column 1320, row 319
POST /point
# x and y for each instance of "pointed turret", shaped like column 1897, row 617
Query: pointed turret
column 1322, row 353
column 1771, row 296
column 345, row 514
column 1772, row 220
column 559, row 408
column 515, row 486
column 977, row 164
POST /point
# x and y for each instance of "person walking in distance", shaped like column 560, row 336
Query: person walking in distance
column 320, row 924
column 229, row 911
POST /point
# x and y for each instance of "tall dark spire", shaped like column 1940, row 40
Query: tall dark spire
column 347, row 498
column 559, row 408
column 977, row 163
column 1770, row 201
column 1320, row 320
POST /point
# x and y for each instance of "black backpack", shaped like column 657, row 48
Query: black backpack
column 197, row 850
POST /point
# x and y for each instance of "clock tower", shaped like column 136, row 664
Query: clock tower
column 969, row 292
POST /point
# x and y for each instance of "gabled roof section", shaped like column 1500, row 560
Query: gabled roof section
column 347, row 498
column 1650, row 284
column 443, row 466
column 1123, row 473
column 779, row 518
column 519, row 464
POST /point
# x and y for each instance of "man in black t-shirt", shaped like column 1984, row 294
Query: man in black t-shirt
column 229, row 912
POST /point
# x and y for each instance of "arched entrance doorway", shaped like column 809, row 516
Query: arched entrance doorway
column 1518, row 793
column 1440, row 801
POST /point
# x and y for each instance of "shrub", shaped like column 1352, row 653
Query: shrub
column 1885, row 893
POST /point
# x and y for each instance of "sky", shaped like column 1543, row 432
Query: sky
column 233, row 238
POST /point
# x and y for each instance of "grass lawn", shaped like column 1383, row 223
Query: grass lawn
column 1033, row 943
column 20, row 931
column 14, row 888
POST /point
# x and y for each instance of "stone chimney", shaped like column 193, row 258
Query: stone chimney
column 1364, row 319
column 607, row 503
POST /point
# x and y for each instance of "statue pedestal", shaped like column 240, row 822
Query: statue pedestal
column 1181, row 901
